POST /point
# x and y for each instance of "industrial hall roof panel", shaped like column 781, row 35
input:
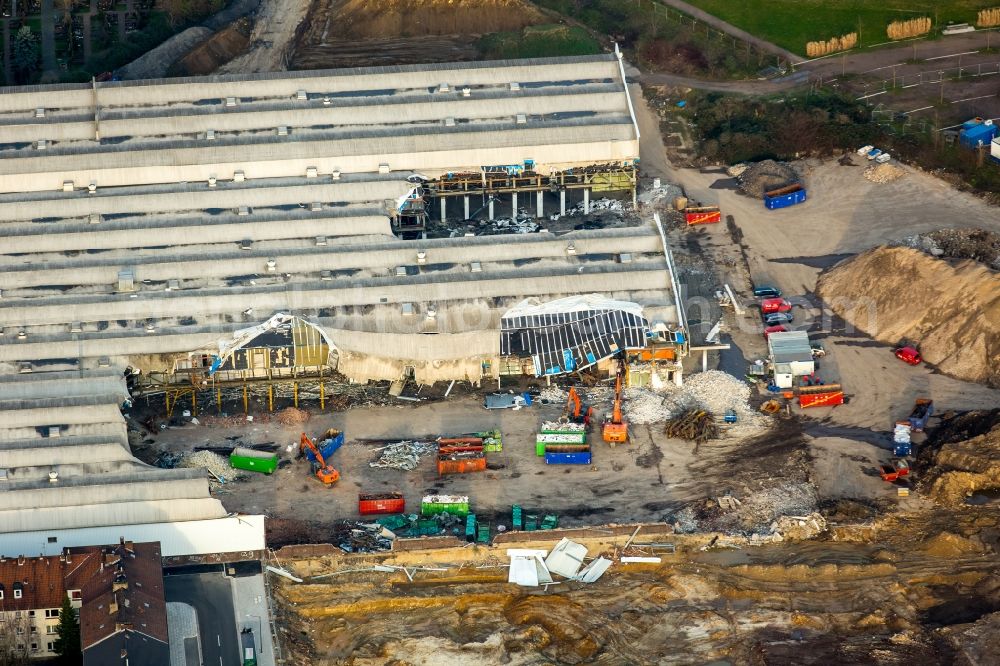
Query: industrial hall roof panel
column 561, row 342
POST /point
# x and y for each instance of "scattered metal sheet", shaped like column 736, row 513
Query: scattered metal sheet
column 566, row 558
column 284, row 574
column 527, row 568
column 593, row 571
column 641, row 560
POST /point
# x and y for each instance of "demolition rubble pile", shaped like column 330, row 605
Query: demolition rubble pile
column 755, row 178
column 644, row 406
column 976, row 244
column 597, row 206
column 719, row 392
column 884, row 173
column 403, row 455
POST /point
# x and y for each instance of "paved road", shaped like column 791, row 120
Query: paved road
column 730, row 29
column 212, row 598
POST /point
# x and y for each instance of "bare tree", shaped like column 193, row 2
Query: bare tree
column 15, row 638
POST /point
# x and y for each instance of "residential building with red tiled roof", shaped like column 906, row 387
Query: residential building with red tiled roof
column 117, row 591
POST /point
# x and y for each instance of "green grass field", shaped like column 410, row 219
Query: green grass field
column 792, row 23
column 539, row 41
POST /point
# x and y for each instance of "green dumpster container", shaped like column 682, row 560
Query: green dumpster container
column 454, row 504
column 253, row 461
column 517, row 517
column 539, row 448
column 470, row 527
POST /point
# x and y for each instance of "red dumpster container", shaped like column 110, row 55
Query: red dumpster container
column 821, row 396
column 702, row 215
column 369, row 504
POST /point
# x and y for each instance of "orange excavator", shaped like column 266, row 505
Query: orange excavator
column 575, row 411
column 615, row 428
column 321, row 470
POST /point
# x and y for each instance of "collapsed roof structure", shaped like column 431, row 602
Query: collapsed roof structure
column 143, row 222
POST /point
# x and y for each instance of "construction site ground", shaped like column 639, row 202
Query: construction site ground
column 917, row 578
column 642, row 481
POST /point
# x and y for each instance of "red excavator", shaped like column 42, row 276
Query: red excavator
column 321, row 470
column 615, row 428
column 575, row 411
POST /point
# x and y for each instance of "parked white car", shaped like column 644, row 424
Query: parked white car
column 864, row 150
column 883, row 158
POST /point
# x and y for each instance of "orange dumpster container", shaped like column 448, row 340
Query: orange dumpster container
column 448, row 465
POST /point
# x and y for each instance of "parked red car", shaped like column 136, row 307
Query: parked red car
column 774, row 329
column 769, row 305
column 908, row 355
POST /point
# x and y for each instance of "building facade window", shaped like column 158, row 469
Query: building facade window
column 17, row 594
column 51, row 612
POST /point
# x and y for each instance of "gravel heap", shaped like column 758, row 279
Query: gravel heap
column 884, row 173
column 213, row 462
column 765, row 175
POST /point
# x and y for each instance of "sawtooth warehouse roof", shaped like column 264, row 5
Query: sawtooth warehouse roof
column 435, row 118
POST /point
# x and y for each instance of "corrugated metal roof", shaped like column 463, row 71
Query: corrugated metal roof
column 789, row 347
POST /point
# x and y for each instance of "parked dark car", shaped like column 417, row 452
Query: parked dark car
column 766, row 291
column 778, row 318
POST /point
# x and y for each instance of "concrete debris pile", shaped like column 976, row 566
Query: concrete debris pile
column 644, row 406
column 719, row 392
column 597, row 206
column 218, row 466
column 522, row 224
column 552, row 394
column 665, row 195
column 559, row 426
column 884, row 173
column 976, row 244
column 766, row 175
column 759, row 509
column 403, row 455
column 736, row 170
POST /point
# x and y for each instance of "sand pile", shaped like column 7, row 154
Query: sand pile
column 950, row 309
column 411, row 18
column 884, row 173
column 766, row 175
